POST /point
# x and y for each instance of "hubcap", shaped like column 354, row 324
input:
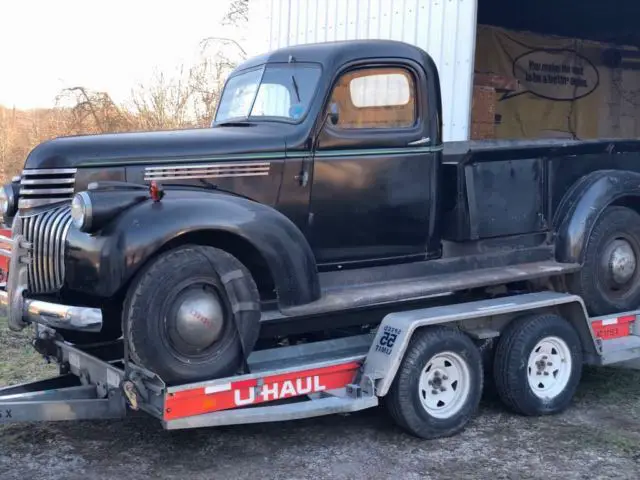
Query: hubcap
column 620, row 262
column 549, row 367
column 198, row 319
column 444, row 385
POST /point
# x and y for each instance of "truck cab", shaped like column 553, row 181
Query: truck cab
column 361, row 124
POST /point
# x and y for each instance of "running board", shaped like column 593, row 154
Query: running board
column 381, row 293
column 277, row 413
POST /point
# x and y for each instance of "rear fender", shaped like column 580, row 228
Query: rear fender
column 584, row 203
column 102, row 264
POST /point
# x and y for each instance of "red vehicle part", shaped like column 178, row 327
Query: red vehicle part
column 241, row 393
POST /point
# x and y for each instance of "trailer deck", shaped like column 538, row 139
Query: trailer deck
column 288, row 382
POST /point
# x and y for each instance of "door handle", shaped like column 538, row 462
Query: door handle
column 303, row 177
column 422, row 141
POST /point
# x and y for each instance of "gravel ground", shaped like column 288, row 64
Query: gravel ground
column 598, row 437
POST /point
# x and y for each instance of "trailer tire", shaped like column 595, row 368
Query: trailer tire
column 609, row 280
column 538, row 364
column 185, row 312
column 433, row 353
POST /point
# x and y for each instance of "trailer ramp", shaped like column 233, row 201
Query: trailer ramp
column 86, row 389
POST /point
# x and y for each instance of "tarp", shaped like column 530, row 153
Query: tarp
column 565, row 91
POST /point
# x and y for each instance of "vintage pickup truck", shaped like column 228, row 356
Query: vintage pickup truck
column 322, row 189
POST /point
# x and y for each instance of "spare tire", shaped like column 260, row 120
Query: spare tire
column 192, row 314
column 609, row 280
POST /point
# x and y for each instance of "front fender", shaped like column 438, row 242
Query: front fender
column 101, row 264
column 582, row 206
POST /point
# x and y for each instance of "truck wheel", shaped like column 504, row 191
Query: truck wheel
column 609, row 281
column 438, row 386
column 538, row 364
column 183, row 312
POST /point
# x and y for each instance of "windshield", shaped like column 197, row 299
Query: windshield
column 274, row 92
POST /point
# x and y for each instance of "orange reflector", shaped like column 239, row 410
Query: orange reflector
column 613, row 327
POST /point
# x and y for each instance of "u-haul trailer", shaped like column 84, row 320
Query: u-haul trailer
column 425, row 365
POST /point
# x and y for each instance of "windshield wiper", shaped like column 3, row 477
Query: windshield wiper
column 295, row 86
column 237, row 123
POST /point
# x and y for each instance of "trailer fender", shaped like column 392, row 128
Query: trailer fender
column 102, row 264
column 396, row 330
column 583, row 204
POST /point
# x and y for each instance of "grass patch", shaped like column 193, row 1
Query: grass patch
column 598, row 437
column 612, row 386
column 19, row 362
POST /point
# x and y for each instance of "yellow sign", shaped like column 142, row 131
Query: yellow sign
column 560, row 83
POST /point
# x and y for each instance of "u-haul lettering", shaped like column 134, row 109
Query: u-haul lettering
column 241, row 391
column 278, row 390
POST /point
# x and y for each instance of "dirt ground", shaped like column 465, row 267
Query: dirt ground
column 598, row 437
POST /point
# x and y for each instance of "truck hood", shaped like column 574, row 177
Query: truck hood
column 131, row 148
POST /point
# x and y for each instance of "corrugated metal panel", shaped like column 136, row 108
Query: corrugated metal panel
column 444, row 28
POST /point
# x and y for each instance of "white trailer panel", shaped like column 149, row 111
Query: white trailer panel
column 446, row 29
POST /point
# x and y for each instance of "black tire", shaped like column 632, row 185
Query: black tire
column 405, row 398
column 152, row 315
column 617, row 228
column 511, row 364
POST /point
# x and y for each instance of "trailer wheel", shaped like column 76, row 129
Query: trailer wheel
column 438, row 386
column 538, row 364
column 609, row 280
column 183, row 312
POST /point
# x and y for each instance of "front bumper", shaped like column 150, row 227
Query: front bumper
column 22, row 310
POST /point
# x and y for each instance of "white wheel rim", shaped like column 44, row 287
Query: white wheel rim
column 549, row 367
column 444, row 385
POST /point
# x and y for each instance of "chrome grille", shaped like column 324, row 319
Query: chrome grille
column 46, row 186
column 47, row 232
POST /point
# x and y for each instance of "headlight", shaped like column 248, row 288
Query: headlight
column 8, row 199
column 91, row 210
column 4, row 201
column 81, row 211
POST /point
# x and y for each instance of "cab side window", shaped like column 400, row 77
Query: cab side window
column 382, row 97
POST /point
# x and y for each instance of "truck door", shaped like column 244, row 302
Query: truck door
column 375, row 168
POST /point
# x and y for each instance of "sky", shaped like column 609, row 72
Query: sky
column 107, row 45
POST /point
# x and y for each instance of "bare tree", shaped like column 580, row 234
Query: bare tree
column 237, row 13
column 7, row 136
column 185, row 100
column 163, row 103
column 207, row 81
column 92, row 112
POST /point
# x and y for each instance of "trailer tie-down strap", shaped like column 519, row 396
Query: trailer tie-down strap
column 237, row 308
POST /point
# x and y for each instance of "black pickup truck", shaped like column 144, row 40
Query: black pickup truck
column 322, row 189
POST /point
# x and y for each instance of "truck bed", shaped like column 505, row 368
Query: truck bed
column 501, row 188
